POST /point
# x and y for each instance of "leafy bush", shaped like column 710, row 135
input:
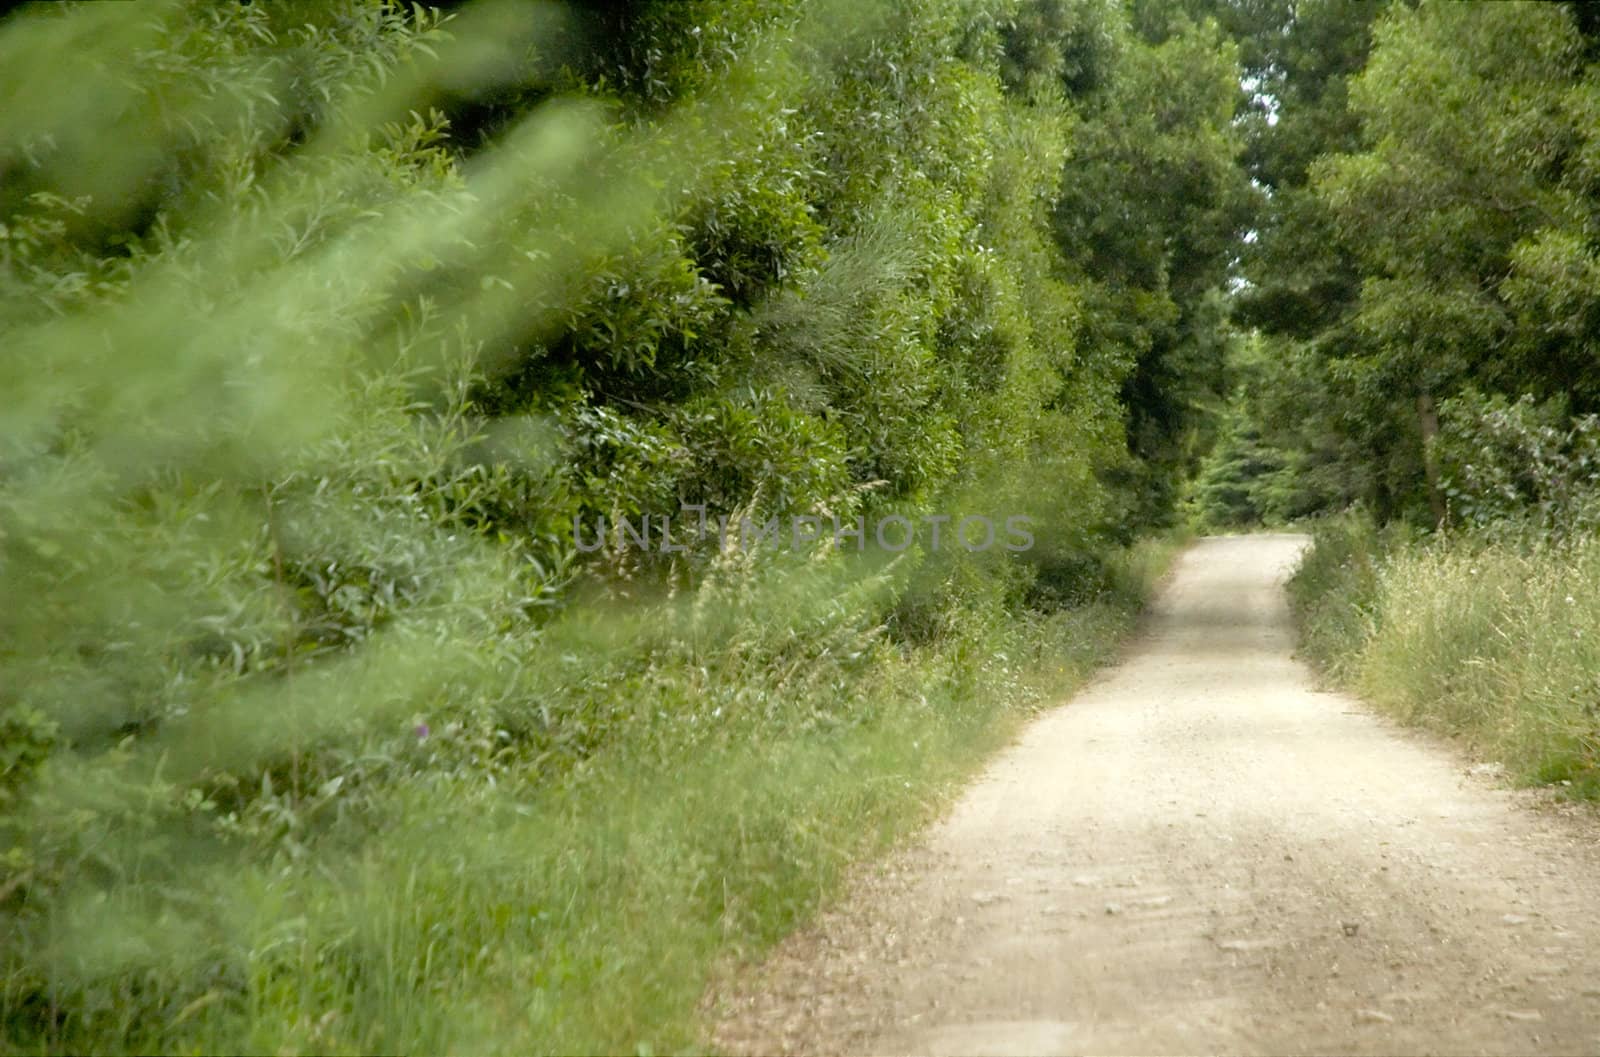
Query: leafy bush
column 1508, row 463
column 322, row 734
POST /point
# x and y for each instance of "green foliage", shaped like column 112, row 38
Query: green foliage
column 1492, row 640
column 1151, row 264
column 1334, row 591
column 1239, row 483
column 1440, row 243
column 322, row 325
column 1281, row 454
column 1430, row 280
column 1520, row 466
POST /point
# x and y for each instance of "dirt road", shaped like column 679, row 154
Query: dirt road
column 1201, row 853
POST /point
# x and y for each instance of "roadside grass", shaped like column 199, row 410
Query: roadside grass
column 1492, row 640
column 589, row 918
column 519, row 909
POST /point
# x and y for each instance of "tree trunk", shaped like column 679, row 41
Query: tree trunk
column 1428, row 420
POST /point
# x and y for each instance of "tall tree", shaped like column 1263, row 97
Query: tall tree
column 1152, row 207
column 1431, row 221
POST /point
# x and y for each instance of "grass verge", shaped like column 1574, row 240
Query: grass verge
column 1494, row 641
column 473, row 910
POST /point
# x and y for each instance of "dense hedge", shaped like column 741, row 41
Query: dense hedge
column 327, row 323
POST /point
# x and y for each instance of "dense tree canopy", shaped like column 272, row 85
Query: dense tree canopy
column 1431, row 231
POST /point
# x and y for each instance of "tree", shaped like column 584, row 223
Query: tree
column 1152, row 205
column 1430, row 219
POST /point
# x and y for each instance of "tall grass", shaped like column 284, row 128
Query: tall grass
column 1494, row 640
column 485, row 910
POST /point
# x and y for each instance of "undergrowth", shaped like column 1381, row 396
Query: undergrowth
column 439, row 907
column 1495, row 639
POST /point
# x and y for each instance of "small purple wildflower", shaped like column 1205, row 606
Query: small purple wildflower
column 422, row 731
